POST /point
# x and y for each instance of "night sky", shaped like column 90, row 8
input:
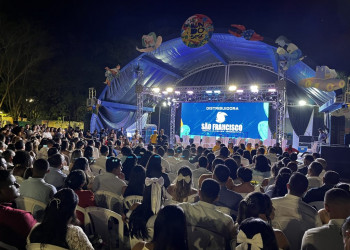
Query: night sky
column 321, row 29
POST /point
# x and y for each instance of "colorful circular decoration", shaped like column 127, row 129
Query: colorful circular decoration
column 197, row 31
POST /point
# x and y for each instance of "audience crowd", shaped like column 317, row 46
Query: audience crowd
column 228, row 197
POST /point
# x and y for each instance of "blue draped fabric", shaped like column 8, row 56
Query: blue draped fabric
column 173, row 62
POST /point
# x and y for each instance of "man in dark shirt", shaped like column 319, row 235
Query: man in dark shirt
column 15, row 224
column 330, row 179
column 162, row 138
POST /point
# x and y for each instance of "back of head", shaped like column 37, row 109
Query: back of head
column 40, row 167
column 58, row 214
column 245, row 174
column 224, row 152
column 81, row 163
column 161, row 151
column 170, row 229
column 337, row 203
column 331, row 178
column 23, row 159
column 261, row 150
column 217, row 161
column 308, row 159
column 323, row 162
column 272, row 150
column 221, row 173
column 154, row 167
column 77, row 153
column 280, row 188
column 52, row 151
column 104, row 150
column 254, row 226
column 19, row 145
column 88, row 152
column 262, row 164
column 254, row 205
column 210, row 190
column 170, row 152
column 316, row 168
column 292, row 166
column 298, row 184
column 293, row 156
column 202, row 162
column 76, row 179
column 232, row 166
column 276, row 168
column 126, row 151
column 183, row 183
column 186, row 154
column 112, row 163
column 130, row 161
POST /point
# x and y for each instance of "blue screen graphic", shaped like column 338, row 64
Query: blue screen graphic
column 245, row 120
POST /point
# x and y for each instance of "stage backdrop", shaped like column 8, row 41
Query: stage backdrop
column 245, row 120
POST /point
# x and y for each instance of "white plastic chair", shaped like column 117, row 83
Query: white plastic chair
column 177, row 140
column 205, row 141
column 185, row 140
column 197, row 140
column 38, row 246
column 131, row 200
column 225, row 140
column 31, row 205
column 102, row 225
column 212, row 141
column 317, row 204
column 3, row 245
column 109, row 200
column 200, row 238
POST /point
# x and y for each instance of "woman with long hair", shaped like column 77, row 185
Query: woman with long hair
column 136, row 184
column 154, row 169
column 170, row 232
column 57, row 227
column 261, row 169
column 82, row 163
column 279, row 189
column 258, row 205
column 181, row 190
column 129, row 163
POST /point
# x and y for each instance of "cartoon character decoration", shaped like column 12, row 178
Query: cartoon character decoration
column 197, row 31
column 240, row 31
column 288, row 53
column 150, row 42
column 111, row 74
column 325, row 80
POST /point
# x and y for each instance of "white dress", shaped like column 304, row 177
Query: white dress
column 75, row 238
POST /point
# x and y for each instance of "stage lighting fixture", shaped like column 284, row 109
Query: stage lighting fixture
column 170, row 89
column 232, row 88
column 271, row 90
column 190, row 92
column 177, row 92
column 168, row 98
column 254, row 88
column 156, row 90
column 302, row 103
column 164, row 104
column 217, row 91
column 209, row 92
column 165, row 92
column 240, row 91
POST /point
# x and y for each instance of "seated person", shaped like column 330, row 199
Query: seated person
column 202, row 169
column 292, row 215
column 313, row 175
column 35, row 187
column 330, row 179
column 22, row 161
column 100, row 164
column 337, row 204
column 136, row 184
column 308, row 159
column 182, row 190
column 55, row 176
column 346, row 233
column 15, row 224
column 110, row 181
column 245, row 175
column 204, row 215
column 261, row 168
column 227, row 198
column 57, row 227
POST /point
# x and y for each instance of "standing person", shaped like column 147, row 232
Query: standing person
column 322, row 139
column 120, row 134
column 162, row 138
column 154, row 137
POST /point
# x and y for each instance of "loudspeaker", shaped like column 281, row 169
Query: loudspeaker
column 347, row 139
column 338, row 159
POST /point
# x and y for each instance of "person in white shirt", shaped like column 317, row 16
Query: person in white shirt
column 313, row 175
column 202, row 169
column 165, row 163
column 204, row 215
column 110, row 181
column 35, row 187
column 184, row 162
column 337, row 205
column 99, row 166
column 47, row 134
column 55, row 176
column 271, row 155
column 292, row 215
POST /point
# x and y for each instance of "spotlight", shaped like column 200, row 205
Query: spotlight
column 165, row 92
column 254, row 88
column 302, row 103
column 156, row 90
column 209, row 92
column 164, row 104
column 170, row 89
column 240, row 91
column 232, row 88
column 190, row 92
column 217, row 91
column 168, row 98
column 177, row 92
column 271, row 90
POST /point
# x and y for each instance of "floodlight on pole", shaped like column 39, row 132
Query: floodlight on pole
column 156, row 90
column 169, row 89
column 232, row 88
column 302, row 103
column 190, row 92
column 254, row 88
